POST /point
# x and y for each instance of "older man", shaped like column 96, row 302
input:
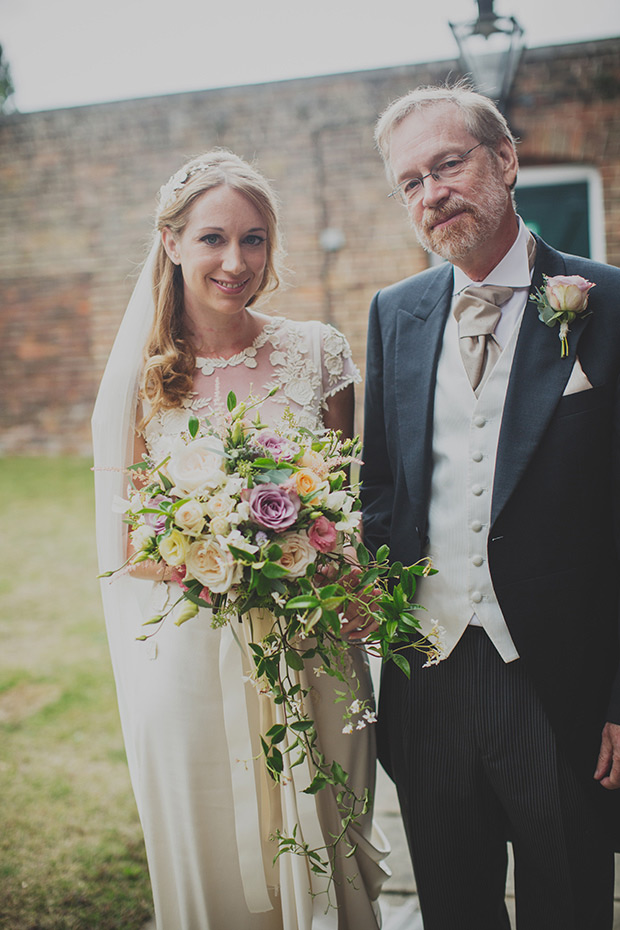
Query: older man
column 493, row 446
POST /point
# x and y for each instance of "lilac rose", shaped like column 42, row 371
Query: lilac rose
column 154, row 520
column 279, row 448
column 273, row 507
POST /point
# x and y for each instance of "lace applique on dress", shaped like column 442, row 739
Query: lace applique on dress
column 304, row 375
column 307, row 362
column 161, row 431
column 246, row 357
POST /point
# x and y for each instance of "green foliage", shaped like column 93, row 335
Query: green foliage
column 6, row 84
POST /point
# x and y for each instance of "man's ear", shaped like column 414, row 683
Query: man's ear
column 507, row 155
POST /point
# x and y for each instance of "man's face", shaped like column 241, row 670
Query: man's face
column 468, row 218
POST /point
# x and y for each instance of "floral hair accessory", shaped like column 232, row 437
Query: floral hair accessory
column 561, row 300
column 168, row 191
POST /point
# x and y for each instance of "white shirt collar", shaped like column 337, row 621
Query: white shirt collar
column 512, row 271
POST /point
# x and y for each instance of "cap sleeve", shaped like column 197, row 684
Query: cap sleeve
column 338, row 369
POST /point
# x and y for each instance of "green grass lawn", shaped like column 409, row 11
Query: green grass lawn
column 71, row 851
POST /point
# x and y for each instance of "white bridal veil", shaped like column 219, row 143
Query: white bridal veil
column 113, row 424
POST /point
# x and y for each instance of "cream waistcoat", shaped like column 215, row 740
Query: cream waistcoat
column 465, row 438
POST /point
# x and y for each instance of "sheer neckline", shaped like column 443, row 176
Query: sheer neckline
column 246, row 356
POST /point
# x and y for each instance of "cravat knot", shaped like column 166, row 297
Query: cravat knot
column 477, row 310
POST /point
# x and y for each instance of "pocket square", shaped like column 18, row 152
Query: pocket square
column 578, row 380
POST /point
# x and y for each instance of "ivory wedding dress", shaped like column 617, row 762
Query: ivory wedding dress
column 191, row 717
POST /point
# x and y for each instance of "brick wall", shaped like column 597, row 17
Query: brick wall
column 78, row 189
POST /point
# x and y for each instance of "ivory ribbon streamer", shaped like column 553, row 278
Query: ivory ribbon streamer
column 245, row 796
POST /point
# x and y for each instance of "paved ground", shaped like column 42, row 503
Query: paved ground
column 399, row 903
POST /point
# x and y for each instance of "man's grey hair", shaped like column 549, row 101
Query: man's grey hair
column 481, row 117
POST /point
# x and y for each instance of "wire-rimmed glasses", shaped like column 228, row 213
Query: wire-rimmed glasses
column 410, row 190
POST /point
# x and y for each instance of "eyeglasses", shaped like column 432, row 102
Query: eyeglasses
column 411, row 189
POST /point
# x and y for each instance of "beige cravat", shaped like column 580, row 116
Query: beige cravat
column 477, row 310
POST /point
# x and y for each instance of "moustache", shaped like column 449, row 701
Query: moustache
column 434, row 215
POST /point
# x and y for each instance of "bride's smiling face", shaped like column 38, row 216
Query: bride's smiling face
column 222, row 252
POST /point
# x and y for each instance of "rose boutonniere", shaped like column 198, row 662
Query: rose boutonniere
column 561, row 300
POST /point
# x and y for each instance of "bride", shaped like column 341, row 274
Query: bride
column 192, row 332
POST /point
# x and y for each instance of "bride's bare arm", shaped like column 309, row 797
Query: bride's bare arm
column 149, row 570
column 340, row 411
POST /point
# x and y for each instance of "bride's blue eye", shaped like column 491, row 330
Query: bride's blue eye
column 211, row 239
column 253, row 239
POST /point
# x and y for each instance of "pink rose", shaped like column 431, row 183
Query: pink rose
column 568, row 293
column 323, row 534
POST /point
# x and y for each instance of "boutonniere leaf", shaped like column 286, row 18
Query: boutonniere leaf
column 561, row 300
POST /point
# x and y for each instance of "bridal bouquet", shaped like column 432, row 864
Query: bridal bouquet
column 256, row 519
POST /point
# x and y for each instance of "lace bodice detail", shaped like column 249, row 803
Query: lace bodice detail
column 307, row 362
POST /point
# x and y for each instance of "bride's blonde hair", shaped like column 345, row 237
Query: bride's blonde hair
column 170, row 359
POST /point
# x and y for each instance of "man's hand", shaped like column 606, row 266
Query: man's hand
column 358, row 620
column 608, row 767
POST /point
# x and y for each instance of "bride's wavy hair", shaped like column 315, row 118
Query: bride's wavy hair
column 170, row 359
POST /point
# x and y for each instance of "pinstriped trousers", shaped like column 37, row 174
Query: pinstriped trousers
column 477, row 764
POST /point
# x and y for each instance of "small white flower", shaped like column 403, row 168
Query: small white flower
column 361, row 724
column 348, row 728
column 142, row 536
column 241, row 514
column 237, row 539
column 355, row 707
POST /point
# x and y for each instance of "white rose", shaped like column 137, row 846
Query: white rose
column 297, row 553
column 212, row 565
column 173, row 548
column 220, row 526
column 190, row 516
column 220, row 505
column 141, row 536
column 197, row 464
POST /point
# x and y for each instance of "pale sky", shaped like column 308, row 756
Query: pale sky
column 66, row 53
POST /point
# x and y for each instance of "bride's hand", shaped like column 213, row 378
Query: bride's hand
column 149, row 570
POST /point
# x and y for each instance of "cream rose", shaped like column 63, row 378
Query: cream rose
column 220, row 505
column 190, row 516
column 568, row 293
column 220, row 526
column 212, row 565
column 297, row 553
column 315, row 461
column 197, row 464
column 173, row 548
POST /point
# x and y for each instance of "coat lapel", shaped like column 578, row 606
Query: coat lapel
column 419, row 330
column 537, row 381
